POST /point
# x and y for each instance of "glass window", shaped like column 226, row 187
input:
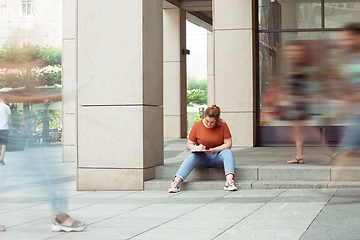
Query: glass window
column 28, row 7
column 3, row 9
column 338, row 13
column 289, row 14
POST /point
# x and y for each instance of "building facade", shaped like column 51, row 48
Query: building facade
column 31, row 22
column 124, row 75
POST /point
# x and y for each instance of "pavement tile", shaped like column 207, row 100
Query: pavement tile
column 102, row 194
column 274, row 223
column 166, row 234
column 171, row 207
column 203, row 194
column 232, row 207
column 261, row 234
column 147, row 194
column 139, row 224
column 10, row 207
column 243, row 200
column 256, row 193
column 111, row 207
column 138, row 213
column 301, row 199
column 184, row 224
column 34, row 228
column 96, row 233
column 216, row 215
column 288, row 210
column 308, row 192
column 90, row 217
column 325, row 233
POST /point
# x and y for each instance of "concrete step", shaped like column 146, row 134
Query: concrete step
column 164, row 184
column 293, row 172
column 241, row 173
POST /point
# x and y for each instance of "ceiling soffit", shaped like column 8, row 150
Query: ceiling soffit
column 198, row 12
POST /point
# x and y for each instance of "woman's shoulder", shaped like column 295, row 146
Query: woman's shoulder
column 198, row 123
column 223, row 123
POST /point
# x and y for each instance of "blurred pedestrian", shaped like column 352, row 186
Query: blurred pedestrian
column 5, row 126
column 295, row 94
column 39, row 165
column 350, row 39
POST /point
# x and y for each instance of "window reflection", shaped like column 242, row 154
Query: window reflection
column 337, row 13
column 289, row 14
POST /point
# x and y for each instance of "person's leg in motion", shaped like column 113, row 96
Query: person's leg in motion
column 46, row 173
column 3, row 149
column 4, row 134
column 299, row 142
column 63, row 222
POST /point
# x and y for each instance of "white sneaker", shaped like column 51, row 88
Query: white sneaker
column 230, row 186
column 174, row 188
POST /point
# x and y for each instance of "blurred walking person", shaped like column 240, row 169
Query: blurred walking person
column 350, row 39
column 38, row 163
column 5, row 126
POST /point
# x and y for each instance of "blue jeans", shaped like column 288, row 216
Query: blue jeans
column 224, row 159
column 351, row 136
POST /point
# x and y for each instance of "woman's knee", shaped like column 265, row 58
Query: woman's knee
column 227, row 152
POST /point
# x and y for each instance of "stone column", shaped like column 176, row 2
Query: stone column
column 120, row 93
column 210, row 69
column 69, row 80
column 234, row 35
column 175, row 122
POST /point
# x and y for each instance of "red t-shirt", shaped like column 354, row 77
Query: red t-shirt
column 209, row 137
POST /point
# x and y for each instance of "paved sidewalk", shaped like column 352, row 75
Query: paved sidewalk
column 246, row 214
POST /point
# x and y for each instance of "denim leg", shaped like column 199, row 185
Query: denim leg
column 224, row 159
column 47, row 172
column 194, row 159
column 351, row 136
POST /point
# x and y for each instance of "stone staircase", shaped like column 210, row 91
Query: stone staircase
column 260, row 168
column 261, row 177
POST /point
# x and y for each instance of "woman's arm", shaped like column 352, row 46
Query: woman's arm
column 192, row 146
column 226, row 145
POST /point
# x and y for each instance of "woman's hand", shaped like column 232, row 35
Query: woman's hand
column 201, row 147
column 226, row 145
column 192, row 146
column 212, row 151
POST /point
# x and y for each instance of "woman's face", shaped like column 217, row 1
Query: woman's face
column 350, row 41
column 209, row 122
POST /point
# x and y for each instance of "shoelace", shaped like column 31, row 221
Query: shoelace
column 174, row 184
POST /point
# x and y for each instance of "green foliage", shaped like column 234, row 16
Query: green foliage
column 54, row 117
column 200, row 115
column 197, row 118
column 38, row 117
column 30, row 66
column 16, row 116
column 25, row 54
column 194, row 83
column 196, row 91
